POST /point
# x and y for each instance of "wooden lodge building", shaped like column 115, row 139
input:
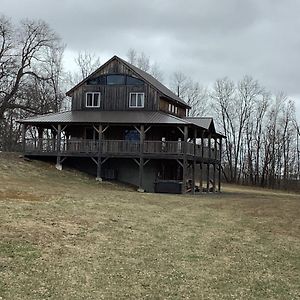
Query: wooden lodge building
column 131, row 128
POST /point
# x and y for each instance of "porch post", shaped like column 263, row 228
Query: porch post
column 215, row 161
column 201, row 163
column 141, row 164
column 220, row 157
column 208, row 163
column 40, row 138
column 184, row 164
column 194, row 162
column 201, row 177
column 24, row 127
column 58, row 162
column 99, row 161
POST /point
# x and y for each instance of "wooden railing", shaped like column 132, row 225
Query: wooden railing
column 117, row 147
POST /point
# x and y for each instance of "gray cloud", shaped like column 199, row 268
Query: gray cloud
column 206, row 39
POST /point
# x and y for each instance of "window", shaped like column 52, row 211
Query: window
column 176, row 110
column 115, row 79
column 136, row 99
column 97, row 80
column 92, row 99
column 134, row 81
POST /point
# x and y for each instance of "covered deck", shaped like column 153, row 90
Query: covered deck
column 140, row 136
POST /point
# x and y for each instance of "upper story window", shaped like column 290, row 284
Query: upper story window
column 173, row 108
column 136, row 100
column 134, row 81
column 97, row 80
column 115, row 79
column 92, row 99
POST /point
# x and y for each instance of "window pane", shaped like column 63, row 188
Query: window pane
column 139, row 101
column 134, row 81
column 96, row 80
column 96, row 99
column 89, row 99
column 132, row 99
column 115, row 79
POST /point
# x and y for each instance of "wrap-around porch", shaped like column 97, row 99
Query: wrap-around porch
column 188, row 145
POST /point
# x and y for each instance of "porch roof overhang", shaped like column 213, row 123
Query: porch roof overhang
column 116, row 118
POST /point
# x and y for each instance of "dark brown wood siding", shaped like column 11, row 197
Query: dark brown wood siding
column 115, row 97
column 164, row 106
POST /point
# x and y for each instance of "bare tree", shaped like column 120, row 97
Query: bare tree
column 23, row 52
column 87, row 63
column 30, row 58
column 197, row 98
column 156, row 72
column 143, row 62
column 179, row 84
column 132, row 56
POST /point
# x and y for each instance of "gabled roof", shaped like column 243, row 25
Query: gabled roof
column 144, row 75
column 204, row 122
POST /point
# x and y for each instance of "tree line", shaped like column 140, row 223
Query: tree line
column 262, row 145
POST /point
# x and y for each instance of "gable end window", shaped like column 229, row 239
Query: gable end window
column 136, row 100
column 92, row 99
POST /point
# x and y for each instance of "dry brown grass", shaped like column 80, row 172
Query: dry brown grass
column 65, row 236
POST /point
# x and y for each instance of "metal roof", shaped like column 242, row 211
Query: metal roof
column 144, row 75
column 120, row 117
column 114, row 117
column 204, row 122
column 153, row 81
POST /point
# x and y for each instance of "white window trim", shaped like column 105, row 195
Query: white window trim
column 143, row 100
column 86, row 99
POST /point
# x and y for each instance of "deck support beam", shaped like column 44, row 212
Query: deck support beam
column 220, row 156
column 141, row 163
column 194, row 162
column 99, row 163
column 24, row 128
column 201, row 177
column 184, row 162
column 208, row 164
column 58, row 157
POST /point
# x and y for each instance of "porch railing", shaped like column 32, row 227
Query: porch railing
column 117, row 147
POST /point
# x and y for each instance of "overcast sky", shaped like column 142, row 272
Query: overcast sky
column 205, row 39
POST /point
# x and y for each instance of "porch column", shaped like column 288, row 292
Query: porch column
column 99, row 161
column 215, row 162
column 201, row 163
column 194, row 162
column 58, row 162
column 184, row 164
column 24, row 128
column 201, row 177
column 208, row 163
column 141, row 164
column 40, row 138
column 220, row 157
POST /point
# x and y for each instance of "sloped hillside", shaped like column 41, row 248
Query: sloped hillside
column 65, row 236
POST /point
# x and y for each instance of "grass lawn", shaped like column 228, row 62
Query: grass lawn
column 65, row 236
